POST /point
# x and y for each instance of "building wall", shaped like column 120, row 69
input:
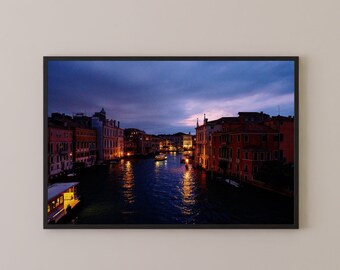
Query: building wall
column 112, row 141
column 59, row 151
column 85, row 146
column 98, row 126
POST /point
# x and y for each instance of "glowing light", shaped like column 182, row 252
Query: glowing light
column 128, row 184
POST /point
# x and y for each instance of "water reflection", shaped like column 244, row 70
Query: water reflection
column 188, row 192
column 142, row 191
column 128, row 182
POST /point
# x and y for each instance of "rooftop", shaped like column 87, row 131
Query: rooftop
column 58, row 188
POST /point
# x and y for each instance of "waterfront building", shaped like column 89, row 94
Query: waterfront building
column 61, row 197
column 97, row 125
column 132, row 141
column 113, row 139
column 165, row 145
column 285, row 127
column 137, row 142
column 247, row 150
column 84, row 145
column 246, row 147
column 178, row 141
column 59, row 150
column 110, row 137
column 203, row 149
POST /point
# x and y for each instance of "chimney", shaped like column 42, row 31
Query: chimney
column 114, row 123
column 118, row 123
column 205, row 120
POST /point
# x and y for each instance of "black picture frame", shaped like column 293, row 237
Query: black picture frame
column 294, row 225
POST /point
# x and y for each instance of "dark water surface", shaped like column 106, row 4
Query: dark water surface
column 142, row 191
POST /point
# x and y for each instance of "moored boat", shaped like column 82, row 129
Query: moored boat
column 160, row 157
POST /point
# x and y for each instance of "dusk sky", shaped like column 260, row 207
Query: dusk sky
column 169, row 96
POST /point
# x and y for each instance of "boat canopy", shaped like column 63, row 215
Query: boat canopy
column 58, row 188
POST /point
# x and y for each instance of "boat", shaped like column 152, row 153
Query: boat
column 113, row 162
column 160, row 157
column 232, row 183
column 61, row 198
column 72, row 174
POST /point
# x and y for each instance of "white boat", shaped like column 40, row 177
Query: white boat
column 161, row 157
column 232, row 183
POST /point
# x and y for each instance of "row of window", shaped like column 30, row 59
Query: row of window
column 229, row 138
column 90, row 145
column 86, row 133
column 237, row 167
column 66, row 166
column 61, row 146
column 112, row 143
column 113, row 132
column 228, row 153
column 84, row 154
column 58, row 158
column 60, row 134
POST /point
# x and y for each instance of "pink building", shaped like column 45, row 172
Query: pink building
column 59, row 151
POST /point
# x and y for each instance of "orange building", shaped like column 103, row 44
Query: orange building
column 244, row 147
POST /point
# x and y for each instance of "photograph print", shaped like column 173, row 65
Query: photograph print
column 170, row 142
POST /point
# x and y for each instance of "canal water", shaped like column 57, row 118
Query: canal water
column 144, row 191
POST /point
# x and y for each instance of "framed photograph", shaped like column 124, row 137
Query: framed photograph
column 170, row 142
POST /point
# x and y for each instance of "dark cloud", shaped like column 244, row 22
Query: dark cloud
column 166, row 96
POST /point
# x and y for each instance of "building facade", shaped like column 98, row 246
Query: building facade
column 250, row 147
column 85, row 147
column 137, row 142
column 60, row 151
column 110, row 137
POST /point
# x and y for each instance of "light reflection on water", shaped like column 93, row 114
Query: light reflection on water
column 188, row 193
column 128, row 182
column 145, row 191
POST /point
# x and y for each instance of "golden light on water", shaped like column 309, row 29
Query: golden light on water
column 128, row 183
column 187, row 193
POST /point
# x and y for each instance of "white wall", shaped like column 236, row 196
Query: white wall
column 32, row 29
